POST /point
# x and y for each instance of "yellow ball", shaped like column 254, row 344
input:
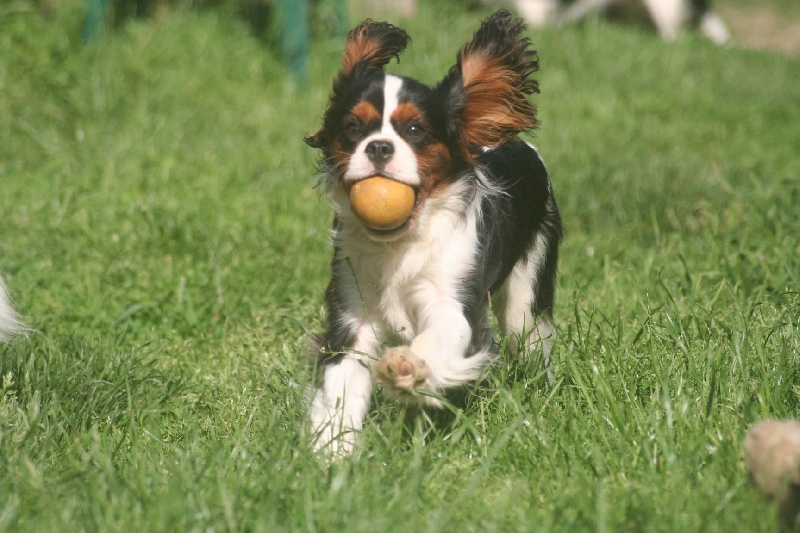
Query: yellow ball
column 382, row 203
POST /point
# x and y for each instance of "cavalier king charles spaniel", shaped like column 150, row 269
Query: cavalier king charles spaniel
column 474, row 225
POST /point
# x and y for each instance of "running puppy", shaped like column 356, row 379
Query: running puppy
column 474, row 219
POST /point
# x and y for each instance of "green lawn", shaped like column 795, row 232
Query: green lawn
column 160, row 229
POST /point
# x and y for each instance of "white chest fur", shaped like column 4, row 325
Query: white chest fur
column 402, row 282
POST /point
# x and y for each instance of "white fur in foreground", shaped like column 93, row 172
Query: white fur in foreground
column 10, row 323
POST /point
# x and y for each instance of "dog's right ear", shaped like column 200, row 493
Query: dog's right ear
column 370, row 45
column 373, row 44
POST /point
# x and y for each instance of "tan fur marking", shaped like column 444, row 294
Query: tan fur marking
column 374, row 43
column 357, row 50
column 434, row 163
column 366, row 112
column 496, row 110
column 405, row 113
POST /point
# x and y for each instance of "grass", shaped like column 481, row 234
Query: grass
column 159, row 227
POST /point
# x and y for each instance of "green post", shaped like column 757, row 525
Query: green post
column 292, row 17
column 95, row 20
column 340, row 11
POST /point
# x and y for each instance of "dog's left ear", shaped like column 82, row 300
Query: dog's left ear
column 486, row 89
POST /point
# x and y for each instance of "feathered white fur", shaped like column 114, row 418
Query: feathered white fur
column 10, row 323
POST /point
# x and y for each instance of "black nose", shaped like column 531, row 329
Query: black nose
column 379, row 151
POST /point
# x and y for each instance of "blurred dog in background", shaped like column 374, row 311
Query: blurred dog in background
column 668, row 17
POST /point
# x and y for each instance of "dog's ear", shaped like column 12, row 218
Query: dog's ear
column 485, row 91
column 373, row 44
column 370, row 45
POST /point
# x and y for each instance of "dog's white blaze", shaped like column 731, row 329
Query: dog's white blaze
column 391, row 99
column 402, row 166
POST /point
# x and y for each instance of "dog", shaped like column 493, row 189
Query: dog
column 484, row 227
column 668, row 17
column 10, row 323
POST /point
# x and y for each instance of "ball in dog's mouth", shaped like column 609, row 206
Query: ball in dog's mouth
column 382, row 203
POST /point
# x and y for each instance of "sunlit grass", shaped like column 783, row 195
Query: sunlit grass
column 160, row 228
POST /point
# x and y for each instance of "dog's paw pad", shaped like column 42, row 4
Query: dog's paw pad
column 401, row 370
column 406, row 368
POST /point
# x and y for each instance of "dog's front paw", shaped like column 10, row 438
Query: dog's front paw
column 402, row 372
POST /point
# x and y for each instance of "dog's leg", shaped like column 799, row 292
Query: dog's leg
column 528, row 332
column 714, row 28
column 524, row 303
column 341, row 403
column 349, row 351
column 537, row 13
column 436, row 359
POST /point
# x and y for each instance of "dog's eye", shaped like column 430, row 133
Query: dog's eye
column 354, row 131
column 415, row 132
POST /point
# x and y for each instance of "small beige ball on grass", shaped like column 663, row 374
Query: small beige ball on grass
column 772, row 450
column 382, row 203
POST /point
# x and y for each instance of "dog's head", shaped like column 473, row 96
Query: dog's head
column 378, row 124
